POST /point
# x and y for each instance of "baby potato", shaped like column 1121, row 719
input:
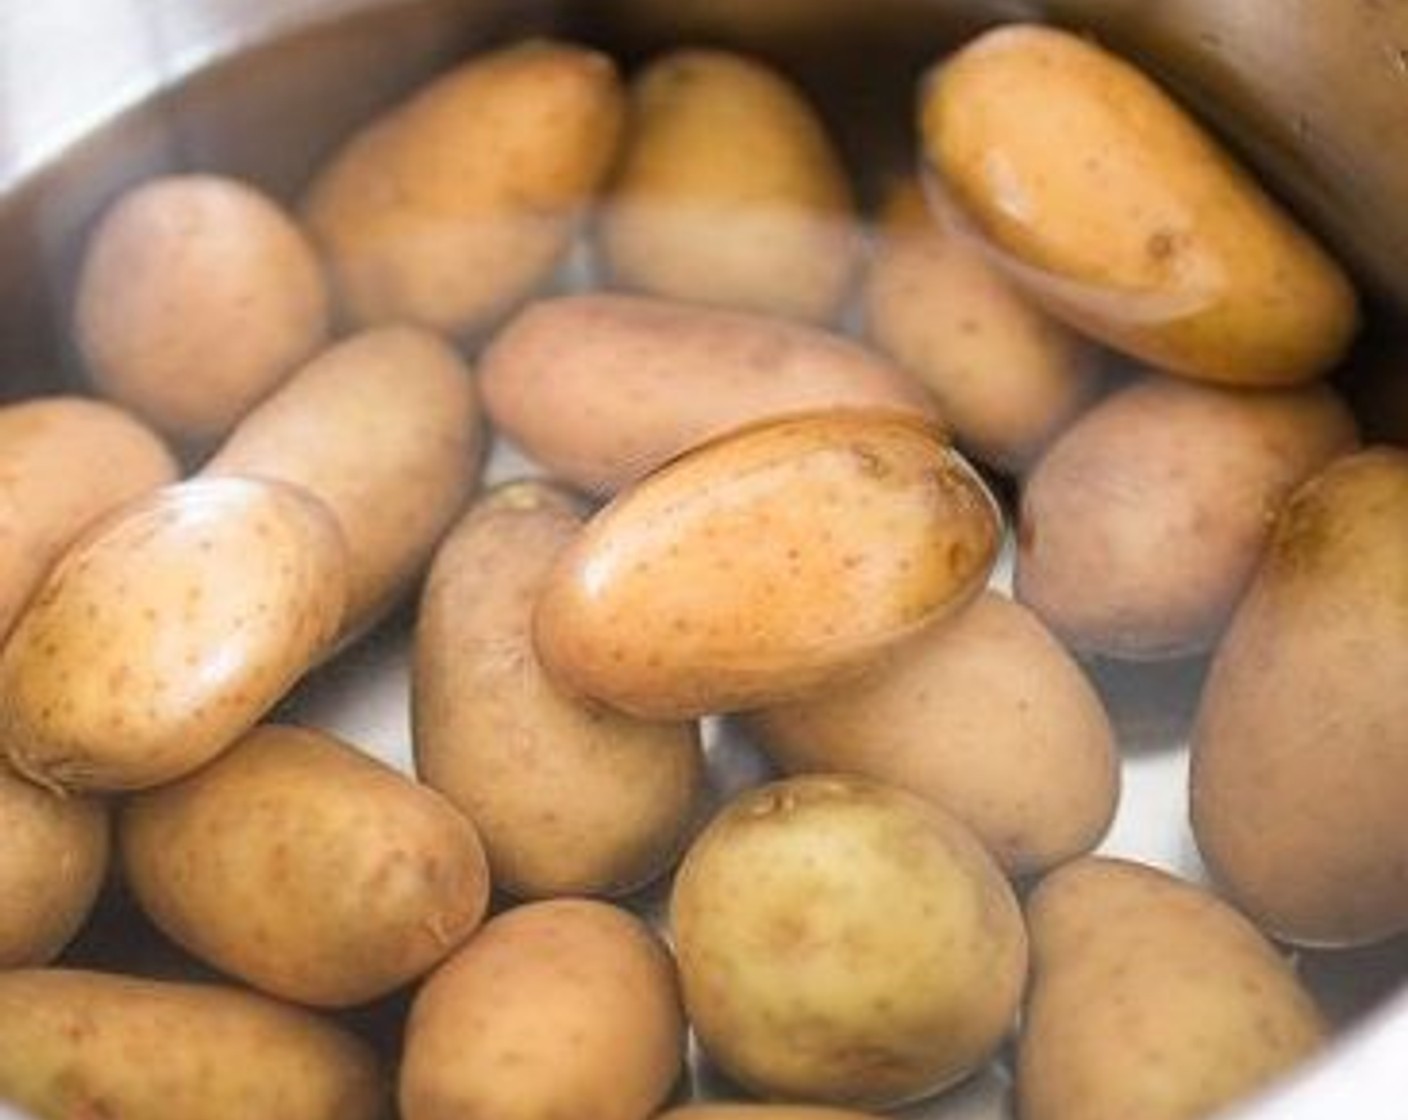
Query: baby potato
column 602, row 389
column 86, row 1044
column 569, row 798
column 452, row 207
column 561, row 1008
column 1151, row 998
column 384, row 427
column 197, row 296
column 1142, row 524
column 985, row 715
column 729, row 192
column 167, row 631
column 842, row 941
column 764, row 564
column 1112, row 208
column 731, row 1111
column 306, row 868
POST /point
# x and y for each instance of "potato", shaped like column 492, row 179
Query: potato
column 384, row 428
column 167, row 631
column 1300, row 753
column 764, row 564
column 85, row 1044
column 1151, row 998
column 842, row 941
column 1006, row 376
column 1117, row 212
column 986, row 716
column 729, row 192
column 729, row 1111
column 561, row 1008
column 569, row 798
column 198, row 295
column 602, row 389
column 67, row 461
column 452, row 207
column 1141, row 526
column 52, row 865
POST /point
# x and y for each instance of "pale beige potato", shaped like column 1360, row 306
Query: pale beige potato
column 602, row 389
column 197, row 296
column 732, row 1111
column 67, row 461
column 1116, row 211
column 1151, row 998
column 985, row 715
column 167, row 631
column 77, row 1044
column 1143, row 523
column 569, row 798
column 454, row 205
column 385, row 429
column 567, row 1007
column 1007, row 377
column 1299, row 782
column 764, row 564
column 729, row 192
column 843, row 941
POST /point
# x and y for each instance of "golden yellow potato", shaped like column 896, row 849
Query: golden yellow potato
column 384, row 428
column 198, row 295
column 1151, row 998
column 766, row 563
column 167, row 631
column 455, row 205
column 1300, row 752
column 568, row 798
column 731, row 1111
column 86, row 1044
column 729, row 192
column 602, row 389
column 1142, row 524
column 561, row 1008
column 985, row 715
column 842, row 941
column 1116, row 211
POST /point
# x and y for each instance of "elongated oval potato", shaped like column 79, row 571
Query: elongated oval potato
column 198, row 295
column 602, row 389
column 384, row 428
column 1143, row 523
column 452, row 207
column 1300, row 753
column 1151, row 998
column 729, row 192
column 167, row 631
column 735, row 1111
column 568, row 798
column 1007, row 377
column 766, row 563
column 67, row 461
column 1116, row 211
column 985, row 715
column 80, row 1044
column 561, row 1008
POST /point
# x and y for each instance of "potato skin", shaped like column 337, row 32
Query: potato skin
column 198, row 295
column 452, row 207
column 306, row 868
column 1111, row 207
column 567, row 1007
column 569, row 798
column 1151, row 998
column 985, row 715
column 1300, row 752
column 729, row 192
column 1142, row 524
column 602, row 389
column 78, row 1044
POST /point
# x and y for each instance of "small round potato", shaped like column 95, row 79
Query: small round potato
column 731, row 1111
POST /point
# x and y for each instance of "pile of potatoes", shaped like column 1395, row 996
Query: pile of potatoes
column 736, row 511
